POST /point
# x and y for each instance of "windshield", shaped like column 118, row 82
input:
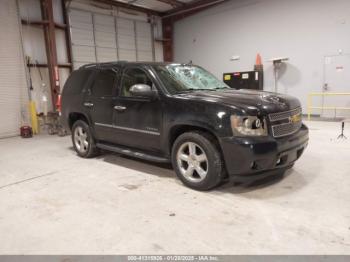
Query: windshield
column 186, row 78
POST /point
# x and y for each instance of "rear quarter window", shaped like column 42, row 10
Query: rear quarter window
column 76, row 81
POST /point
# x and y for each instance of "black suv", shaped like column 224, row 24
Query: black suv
column 180, row 113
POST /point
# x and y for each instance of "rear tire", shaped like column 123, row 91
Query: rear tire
column 197, row 160
column 83, row 141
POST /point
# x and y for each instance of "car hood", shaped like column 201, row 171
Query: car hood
column 247, row 100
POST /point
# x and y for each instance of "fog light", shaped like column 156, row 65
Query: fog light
column 278, row 161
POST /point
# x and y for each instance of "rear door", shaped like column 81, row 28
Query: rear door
column 100, row 100
column 138, row 121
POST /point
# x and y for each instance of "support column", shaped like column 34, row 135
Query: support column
column 67, row 34
column 168, row 44
column 51, row 51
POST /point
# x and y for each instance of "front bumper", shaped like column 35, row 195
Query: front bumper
column 253, row 158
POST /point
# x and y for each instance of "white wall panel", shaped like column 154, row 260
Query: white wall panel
column 34, row 43
column 30, row 10
column 61, row 46
column 12, row 73
column 144, row 56
column 82, row 37
column 126, row 34
column 80, row 19
column 127, row 55
column 103, row 39
column 143, row 29
column 104, row 23
column 106, row 54
column 84, row 54
column 57, row 11
column 126, row 42
column 304, row 31
column 144, row 44
column 64, row 74
column 144, row 41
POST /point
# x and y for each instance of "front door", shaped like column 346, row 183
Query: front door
column 337, row 80
column 100, row 100
column 137, row 120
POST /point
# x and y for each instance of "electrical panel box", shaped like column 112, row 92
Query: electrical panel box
column 245, row 80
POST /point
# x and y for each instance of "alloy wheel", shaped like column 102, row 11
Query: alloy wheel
column 192, row 162
column 81, row 139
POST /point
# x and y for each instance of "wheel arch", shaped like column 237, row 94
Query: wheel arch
column 75, row 116
column 177, row 130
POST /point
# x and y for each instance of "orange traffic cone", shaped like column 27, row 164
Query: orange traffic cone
column 258, row 64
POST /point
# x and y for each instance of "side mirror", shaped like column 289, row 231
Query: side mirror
column 142, row 90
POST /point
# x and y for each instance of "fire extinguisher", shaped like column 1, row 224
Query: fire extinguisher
column 58, row 104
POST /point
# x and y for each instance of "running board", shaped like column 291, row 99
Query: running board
column 132, row 153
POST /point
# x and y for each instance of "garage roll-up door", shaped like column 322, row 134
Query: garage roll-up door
column 105, row 38
column 82, row 35
column 144, row 41
column 12, row 73
column 101, row 38
column 126, row 39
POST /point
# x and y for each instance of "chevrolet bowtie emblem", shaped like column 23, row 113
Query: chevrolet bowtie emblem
column 295, row 119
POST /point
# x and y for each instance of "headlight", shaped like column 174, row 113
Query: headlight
column 248, row 126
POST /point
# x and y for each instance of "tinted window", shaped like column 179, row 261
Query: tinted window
column 132, row 77
column 104, row 83
column 77, row 81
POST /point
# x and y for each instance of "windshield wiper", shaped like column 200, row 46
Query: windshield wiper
column 222, row 87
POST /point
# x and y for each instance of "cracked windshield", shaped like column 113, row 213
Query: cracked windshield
column 187, row 78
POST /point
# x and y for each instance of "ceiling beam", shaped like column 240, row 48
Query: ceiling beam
column 173, row 3
column 191, row 8
column 129, row 6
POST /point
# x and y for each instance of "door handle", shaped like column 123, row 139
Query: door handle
column 120, row 108
column 88, row 104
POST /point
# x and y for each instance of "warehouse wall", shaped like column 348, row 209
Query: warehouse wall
column 34, row 47
column 34, row 42
column 13, row 86
column 304, row 31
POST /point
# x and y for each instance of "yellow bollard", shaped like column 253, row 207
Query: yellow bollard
column 33, row 117
column 309, row 107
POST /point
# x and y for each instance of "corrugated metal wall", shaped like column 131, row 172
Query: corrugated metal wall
column 12, row 72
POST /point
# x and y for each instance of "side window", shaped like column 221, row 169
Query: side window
column 77, row 81
column 132, row 77
column 104, row 83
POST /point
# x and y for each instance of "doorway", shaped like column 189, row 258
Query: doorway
column 336, row 80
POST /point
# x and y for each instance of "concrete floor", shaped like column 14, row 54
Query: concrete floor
column 53, row 202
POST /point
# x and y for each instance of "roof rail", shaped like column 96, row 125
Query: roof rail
column 102, row 64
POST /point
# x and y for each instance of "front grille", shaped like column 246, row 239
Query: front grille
column 285, row 129
column 284, row 115
column 285, row 123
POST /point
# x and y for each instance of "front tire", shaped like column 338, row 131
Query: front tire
column 197, row 160
column 83, row 141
